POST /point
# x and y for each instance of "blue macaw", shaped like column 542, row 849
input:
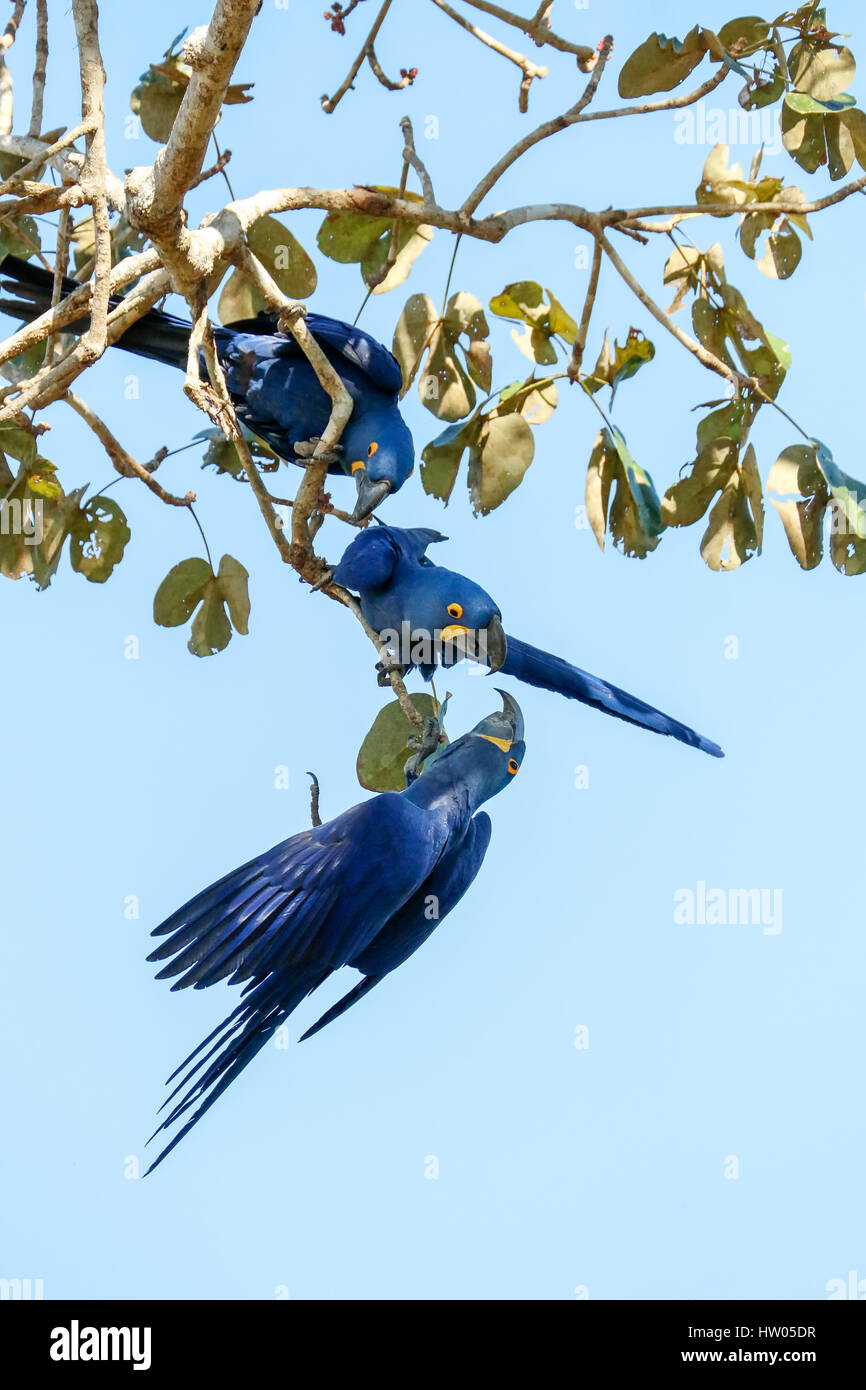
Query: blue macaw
column 435, row 614
column 275, row 391
column 335, row 895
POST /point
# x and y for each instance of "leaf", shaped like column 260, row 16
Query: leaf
column 97, row 539
column 498, row 461
column 545, row 319
column 232, row 582
column 823, row 71
column 635, row 352
column 19, row 236
column 440, row 459
column 384, row 752
column 796, row 472
column 634, row 517
column 193, row 583
column 222, row 454
column 736, row 522
column 535, row 399
column 744, row 35
column 660, row 64
column 411, row 241
column 157, row 98
column 445, row 385
column 181, row 592
column 283, row 257
column 359, row 237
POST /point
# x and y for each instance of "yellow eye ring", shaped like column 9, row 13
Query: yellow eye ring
column 372, row 449
column 455, row 610
column 513, row 766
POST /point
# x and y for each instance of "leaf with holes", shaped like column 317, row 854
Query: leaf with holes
column 97, row 539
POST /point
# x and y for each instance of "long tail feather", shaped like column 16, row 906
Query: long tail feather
column 540, row 668
column 156, row 335
column 362, row 988
column 238, row 1039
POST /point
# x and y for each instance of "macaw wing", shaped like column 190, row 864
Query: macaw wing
column 368, row 561
column 417, row 919
column 282, row 922
column 358, row 347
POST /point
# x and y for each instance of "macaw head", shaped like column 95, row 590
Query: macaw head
column 380, row 455
column 486, row 759
column 461, row 613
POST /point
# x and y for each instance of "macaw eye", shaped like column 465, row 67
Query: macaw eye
column 455, row 610
column 372, row 449
column 513, row 766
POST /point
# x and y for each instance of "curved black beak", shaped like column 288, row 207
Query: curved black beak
column 513, row 713
column 371, row 491
column 493, row 644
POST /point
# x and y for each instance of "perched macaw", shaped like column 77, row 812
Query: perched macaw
column 438, row 614
column 365, row 889
column 275, row 391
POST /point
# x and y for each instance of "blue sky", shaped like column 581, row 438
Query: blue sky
column 560, row 1168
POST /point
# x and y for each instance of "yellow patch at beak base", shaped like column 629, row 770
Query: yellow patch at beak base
column 503, row 743
column 453, row 630
column 358, row 464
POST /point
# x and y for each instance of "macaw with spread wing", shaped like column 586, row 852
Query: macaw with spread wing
column 275, row 391
column 355, row 891
column 403, row 592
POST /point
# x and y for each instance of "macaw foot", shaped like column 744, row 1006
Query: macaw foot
column 387, row 663
column 324, row 581
column 305, row 448
column 423, row 746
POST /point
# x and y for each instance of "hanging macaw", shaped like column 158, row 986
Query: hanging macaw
column 365, row 889
column 435, row 614
column 275, row 391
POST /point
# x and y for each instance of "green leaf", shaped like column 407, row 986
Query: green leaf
column 19, row 236
column 735, row 525
column 660, row 64
column 98, row 537
column 744, row 35
column 626, row 360
column 545, row 319
column 411, row 241
column 211, row 630
column 440, row 459
column 384, row 752
column 181, row 592
column 283, row 257
column 233, row 585
column 633, row 517
column 450, row 346
column 823, row 71
column 498, row 461
column 796, row 471
column 352, row 237
column 193, row 583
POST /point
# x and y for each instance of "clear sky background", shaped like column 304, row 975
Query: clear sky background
column 558, row 1168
